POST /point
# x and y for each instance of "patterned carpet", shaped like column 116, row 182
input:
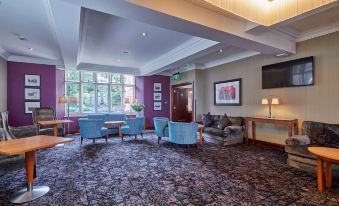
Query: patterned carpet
column 141, row 172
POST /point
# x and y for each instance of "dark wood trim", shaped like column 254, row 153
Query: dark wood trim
column 193, row 98
column 269, row 145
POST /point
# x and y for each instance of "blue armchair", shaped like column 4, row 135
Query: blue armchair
column 134, row 126
column 183, row 133
column 161, row 127
column 92, row 129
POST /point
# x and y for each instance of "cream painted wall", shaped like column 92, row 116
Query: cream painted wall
column 317, row 103
column 3, row 85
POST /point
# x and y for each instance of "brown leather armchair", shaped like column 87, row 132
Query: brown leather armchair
column 44, row 114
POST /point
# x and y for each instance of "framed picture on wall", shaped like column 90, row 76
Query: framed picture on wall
column 29, row 106
column 157, row 87
column 157, row 96
column 227, row 93
column 32, row 93
column 32, row 80
column 157, row 106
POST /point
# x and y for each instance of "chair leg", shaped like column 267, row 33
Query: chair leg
column 188, row 146
column 135, row 136
column 159, row 140
column 81, row 140
column 93, row 141
column 142, row 135
column 106, row 140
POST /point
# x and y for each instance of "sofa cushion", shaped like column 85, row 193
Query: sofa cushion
column 214, row 131
column 224, row 122
column 207, row 119
column 329, row 138
column 216, row 119
column 298, row 140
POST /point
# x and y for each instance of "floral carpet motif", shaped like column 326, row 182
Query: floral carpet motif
column 141, row 172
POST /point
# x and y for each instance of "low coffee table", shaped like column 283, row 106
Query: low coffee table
column 327, row 155
column 115, row 123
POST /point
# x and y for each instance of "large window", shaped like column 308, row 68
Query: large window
column 98, row 91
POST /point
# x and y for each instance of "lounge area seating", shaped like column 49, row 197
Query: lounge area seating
column 134, row 126
column 92, row 129
column 161, row 127
column 45, row 114
column 113, row 130
column 7, row 133
column 312, row 134
column 231, row 134
column 183, row 133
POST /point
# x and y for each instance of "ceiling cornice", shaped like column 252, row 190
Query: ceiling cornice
column 108, row 68
column 4, row 54
column 35, row 60
column 188, row 48
column 230, row 58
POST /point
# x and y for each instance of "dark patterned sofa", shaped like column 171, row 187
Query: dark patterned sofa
column 312, row 134
column 7, row 133
column 230, row 135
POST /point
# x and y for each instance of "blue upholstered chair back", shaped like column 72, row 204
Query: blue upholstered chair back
column 160, row 123
column 183, row 133
column 116, row 117
column 90, row 128
column 135, row 125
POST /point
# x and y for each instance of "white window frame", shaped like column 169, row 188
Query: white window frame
column 95, row 82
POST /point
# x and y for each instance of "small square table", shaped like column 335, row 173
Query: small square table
column 29, row 145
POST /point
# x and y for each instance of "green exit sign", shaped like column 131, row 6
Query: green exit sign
column 176, row 76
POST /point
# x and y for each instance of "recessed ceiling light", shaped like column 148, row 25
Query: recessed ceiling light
column 126, row 52
column 30, row 48
column 20, row 37
column 144, row 34
column 221, row 51
column 118, row 60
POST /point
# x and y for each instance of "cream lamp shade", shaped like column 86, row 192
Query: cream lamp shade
column 127, row 100
column 62, row 100
column 264, row 101
column 73, row 100
column 275, row 100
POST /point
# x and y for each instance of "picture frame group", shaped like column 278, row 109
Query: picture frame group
column 157, row 96
column 32, row 92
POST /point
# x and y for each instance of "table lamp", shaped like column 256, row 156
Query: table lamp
column 270, row 102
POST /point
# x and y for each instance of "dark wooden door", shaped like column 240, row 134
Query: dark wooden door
column 182, row 111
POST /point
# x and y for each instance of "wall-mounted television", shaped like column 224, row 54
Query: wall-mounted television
column 295, row 73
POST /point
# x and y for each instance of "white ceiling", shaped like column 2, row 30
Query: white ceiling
column 94, row 35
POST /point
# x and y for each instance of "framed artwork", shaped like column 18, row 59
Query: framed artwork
column 227, row 93
column 157, row 87
column 32, row 80
column 157, row 106
column 157, row 96
column 29, row 106
column 32, row 93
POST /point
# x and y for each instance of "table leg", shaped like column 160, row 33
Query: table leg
column 120, row 134
column 296, row 128
column 29, row 193
column 328, row 174
column 320, row 174
column 55, row 130
column 246, row 131
column 200, row 135
column 289, row 129
column 107, row 135
column 253, row 132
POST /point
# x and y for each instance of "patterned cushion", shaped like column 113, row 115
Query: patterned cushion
column 216, row 119
column 224, row 122
column 298, row 140
column 207, row 120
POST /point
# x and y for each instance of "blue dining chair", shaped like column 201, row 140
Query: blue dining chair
column 161, row 127
column 134, row 126
column 183, row 133
column 92, row 129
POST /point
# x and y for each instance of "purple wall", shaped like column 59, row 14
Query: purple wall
column 144, row 93
column 15, row 89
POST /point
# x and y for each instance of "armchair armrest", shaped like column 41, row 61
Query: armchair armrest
column 234, row 129
column 298, row 140
column 24, row 131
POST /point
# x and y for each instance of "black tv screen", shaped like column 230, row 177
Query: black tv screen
column 299, row 72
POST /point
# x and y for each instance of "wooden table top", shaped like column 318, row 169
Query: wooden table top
column 53, row 122
column 325, row 152
column 114, row 122
column 201, row 126
column 27, row 144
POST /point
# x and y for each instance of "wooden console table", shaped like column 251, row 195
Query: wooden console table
column 281, row 122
